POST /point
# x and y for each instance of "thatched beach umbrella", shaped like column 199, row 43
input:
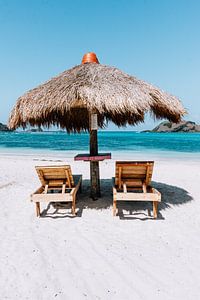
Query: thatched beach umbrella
column 93, row 93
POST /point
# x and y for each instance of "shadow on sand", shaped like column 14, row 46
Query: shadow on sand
column 171, row 197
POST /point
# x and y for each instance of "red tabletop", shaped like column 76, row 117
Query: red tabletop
column 87, row 157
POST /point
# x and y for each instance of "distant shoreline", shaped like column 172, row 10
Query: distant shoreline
column 99, row 131
column 63, row 155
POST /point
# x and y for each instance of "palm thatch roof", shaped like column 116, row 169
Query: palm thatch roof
column 67, row 100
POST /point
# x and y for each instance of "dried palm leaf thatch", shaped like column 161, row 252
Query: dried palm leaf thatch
column 67, row 100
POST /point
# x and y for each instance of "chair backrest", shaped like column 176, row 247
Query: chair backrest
column 55, row 175
column 133, row 173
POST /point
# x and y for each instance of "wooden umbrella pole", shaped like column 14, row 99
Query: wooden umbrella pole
column 94, row 165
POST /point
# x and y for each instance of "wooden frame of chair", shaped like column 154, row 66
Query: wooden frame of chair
column 132, row 183
column 56, row 178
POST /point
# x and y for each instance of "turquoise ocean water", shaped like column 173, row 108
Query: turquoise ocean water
column 128, row 143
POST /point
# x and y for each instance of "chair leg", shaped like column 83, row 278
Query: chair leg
column 114, row 207
column 74, row 206
column 155, row 209
column 37, row 209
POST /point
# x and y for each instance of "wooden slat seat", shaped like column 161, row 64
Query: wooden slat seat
column 132, row 183
column 57, row 185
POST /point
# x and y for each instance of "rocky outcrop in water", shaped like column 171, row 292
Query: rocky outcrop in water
column 184, row 126
column 4, row 127
column 39, row 129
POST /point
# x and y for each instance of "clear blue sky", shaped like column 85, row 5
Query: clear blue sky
column 155, row 40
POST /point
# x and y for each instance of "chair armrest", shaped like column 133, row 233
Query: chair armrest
column 38, row 191
column 156, row 192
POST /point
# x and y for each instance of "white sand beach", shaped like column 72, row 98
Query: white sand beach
column 96, row 256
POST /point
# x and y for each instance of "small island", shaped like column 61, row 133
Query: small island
column 183, row 126
column 4, row 127
column 39, row 129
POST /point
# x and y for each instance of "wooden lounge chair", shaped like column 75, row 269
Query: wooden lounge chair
column 57, row 185
column 132, row 183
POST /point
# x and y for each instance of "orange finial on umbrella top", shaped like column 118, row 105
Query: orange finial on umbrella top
column 90, row 57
